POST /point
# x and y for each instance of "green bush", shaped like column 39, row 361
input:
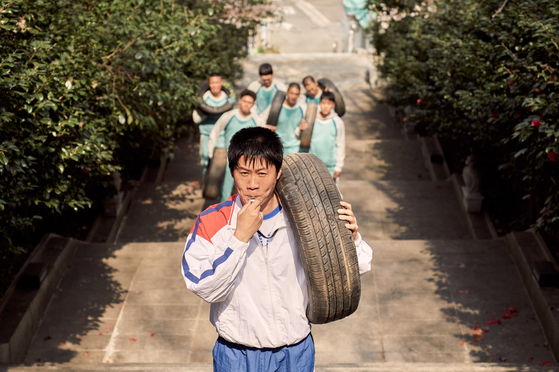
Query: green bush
column 81, row 81
column 483, row 74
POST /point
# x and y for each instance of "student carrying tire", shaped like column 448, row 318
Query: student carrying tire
column 214, row 100
column 242, row 256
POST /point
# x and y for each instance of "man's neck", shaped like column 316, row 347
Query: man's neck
column 322, row 116
column 216, row 95
column 270, row 205
column 243, row 114
column 289, row 103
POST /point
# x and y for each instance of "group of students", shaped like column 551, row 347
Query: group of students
column 255, row 103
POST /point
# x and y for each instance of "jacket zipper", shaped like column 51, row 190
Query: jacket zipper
column 265, row 254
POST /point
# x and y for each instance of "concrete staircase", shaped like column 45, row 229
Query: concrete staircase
column 436, row 300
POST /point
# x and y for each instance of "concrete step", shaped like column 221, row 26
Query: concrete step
column 369, row 367
column 387, row 159
column 162, row 212
column 405, row 209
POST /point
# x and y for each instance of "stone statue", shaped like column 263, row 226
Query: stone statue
column 471, row 177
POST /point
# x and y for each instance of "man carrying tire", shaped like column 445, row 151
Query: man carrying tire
column 291, row 115
column 265, row 89
column 214, row 97
column 229, row 124
column 314, row 93
column 241, row 256
column 328, row 136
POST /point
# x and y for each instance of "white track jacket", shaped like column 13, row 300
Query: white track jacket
column 258, row 298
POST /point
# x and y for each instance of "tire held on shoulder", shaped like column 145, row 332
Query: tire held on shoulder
column 326, row 247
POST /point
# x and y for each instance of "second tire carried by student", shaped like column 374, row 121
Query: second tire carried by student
column 326, row 247
column 306, row 135
column 213, row 180
column 206, row 109
column 327, row 84
column 275, row 108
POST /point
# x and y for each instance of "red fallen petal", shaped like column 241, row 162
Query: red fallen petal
column 122, row 303
column 106, row 311
column 513, row 309
column 100, row 334
column 506, row 316
column 546, row 363
column 461, row 342
column 458, row 291
column 153, row 334
column 439, row 187
column 132, row 339
column 486, row 331
column 467, row 292
column 63, row 343
column 498, row 321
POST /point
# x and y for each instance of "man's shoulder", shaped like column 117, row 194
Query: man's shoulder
column 254, row 86
column 213, row 219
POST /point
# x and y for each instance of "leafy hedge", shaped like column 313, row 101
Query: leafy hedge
column 85, row 85
column 482, row 74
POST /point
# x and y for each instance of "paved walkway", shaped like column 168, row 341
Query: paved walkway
column 430, row 289
column 434, row 295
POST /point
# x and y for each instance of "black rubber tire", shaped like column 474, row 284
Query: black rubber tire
column 275, row 110
column 306, row 135
column 340, row 104
column 211, row 110
column 326, row 247
column 213, row 180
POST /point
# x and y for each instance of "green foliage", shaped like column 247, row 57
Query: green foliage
column 82, row 80
column 486, row 78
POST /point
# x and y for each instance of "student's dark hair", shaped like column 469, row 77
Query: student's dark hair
column 265, row 69
column 255, row 143
column 213, row 74
column 294, row 85
column 247, row 92
column 329, row 96
column 308, row 77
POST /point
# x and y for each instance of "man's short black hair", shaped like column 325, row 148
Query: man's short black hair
column 265, row 69
column 293, row 85
column 213, row 74
column 247, row 92
column 308, row 77
column 255, row 143
column 329, row 96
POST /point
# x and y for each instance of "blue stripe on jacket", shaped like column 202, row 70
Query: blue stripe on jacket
column 219, row 260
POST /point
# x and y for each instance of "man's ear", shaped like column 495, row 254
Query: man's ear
column 279, row 175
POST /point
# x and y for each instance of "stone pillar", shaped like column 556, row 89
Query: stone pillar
column 471, row 194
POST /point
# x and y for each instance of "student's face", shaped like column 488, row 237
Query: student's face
column 292, row 95
column 245, row 104
column 326, row 106
column 255, row 180
column 311, row 87
column 215, row 83
column 266, row 80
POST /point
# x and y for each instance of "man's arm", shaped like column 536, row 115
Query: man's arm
column 220, row 125
column 210, row 269
column 364, row 251
column 197, row 117
column 340, row 142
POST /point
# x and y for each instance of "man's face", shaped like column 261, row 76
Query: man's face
column 245, row 104
column 266, row 80
column 311, row 87
column 292, row 95
column 255, row 180
column 215, row 83
column 326, row 106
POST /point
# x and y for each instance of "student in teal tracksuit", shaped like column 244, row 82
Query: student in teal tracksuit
column 214, row 97
column 291, row 115
column 265, row 89
column 328, row 136
column 230, row 123
column 314, row 93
